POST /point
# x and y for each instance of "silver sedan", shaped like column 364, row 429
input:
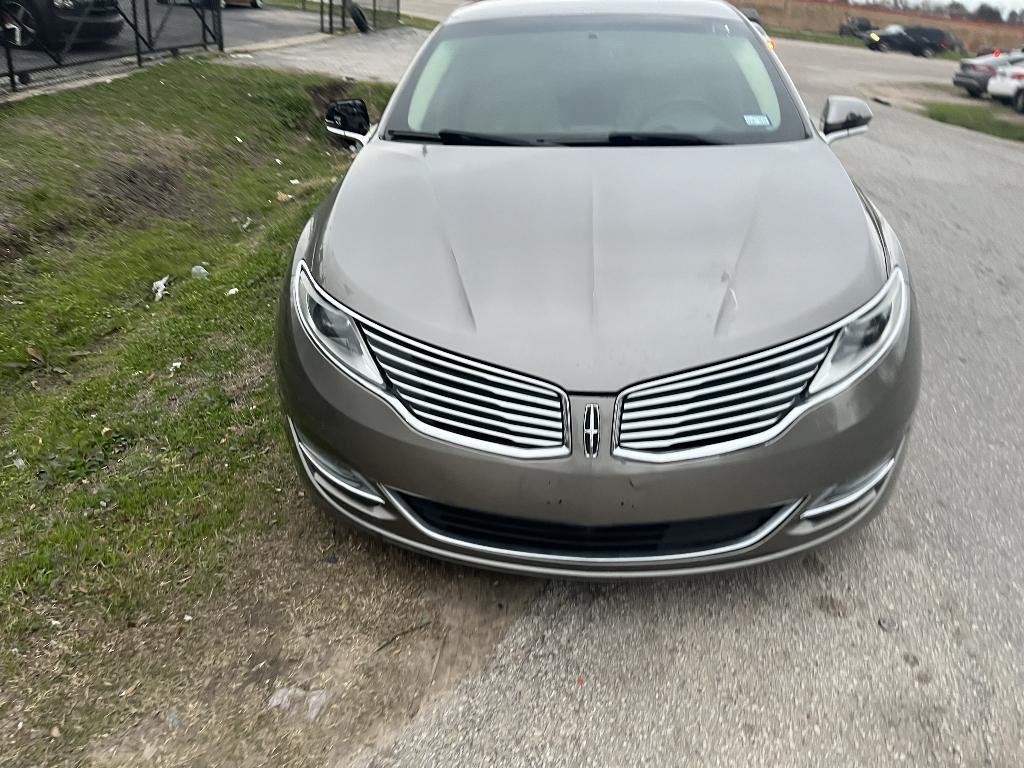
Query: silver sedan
column 596, row 298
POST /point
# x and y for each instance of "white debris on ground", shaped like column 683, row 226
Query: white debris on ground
column 199, row 272
column 160, row 287
column 299, row 702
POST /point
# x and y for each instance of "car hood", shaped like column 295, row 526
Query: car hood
column 595, row 268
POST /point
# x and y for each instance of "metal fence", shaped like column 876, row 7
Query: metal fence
column 40, row 36
column 45, row 35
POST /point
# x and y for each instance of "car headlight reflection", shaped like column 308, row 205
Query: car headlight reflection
column 864, row 339
column 332, row 329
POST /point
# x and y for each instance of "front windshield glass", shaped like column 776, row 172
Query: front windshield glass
column 583, row 79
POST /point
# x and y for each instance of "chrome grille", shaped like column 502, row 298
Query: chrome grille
column 722, row 406
column 468, row 402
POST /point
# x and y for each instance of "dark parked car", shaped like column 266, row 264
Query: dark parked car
column 920, row 41
column 856, row 26
column 56, row 23
column 974, row 74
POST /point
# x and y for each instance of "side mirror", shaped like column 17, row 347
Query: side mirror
column 844, row 116
column 349, row 120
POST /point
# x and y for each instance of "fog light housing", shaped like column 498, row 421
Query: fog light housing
column 856, row 493
column 334, row 478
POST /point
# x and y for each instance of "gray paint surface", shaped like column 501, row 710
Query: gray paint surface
column 554, row 261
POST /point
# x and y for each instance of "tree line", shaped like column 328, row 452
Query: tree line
column 957, row 10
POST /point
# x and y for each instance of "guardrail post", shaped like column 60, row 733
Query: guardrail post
column 149, row 26
column 135, row 29
column 219, row 27
column 10, row 64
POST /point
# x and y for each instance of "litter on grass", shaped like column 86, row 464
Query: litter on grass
column 160, row 287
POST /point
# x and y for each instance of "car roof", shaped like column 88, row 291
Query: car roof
column 510, row 9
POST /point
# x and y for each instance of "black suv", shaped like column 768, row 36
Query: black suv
column 920, row 41
column 57, row 23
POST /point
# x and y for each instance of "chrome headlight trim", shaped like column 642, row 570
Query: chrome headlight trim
column 893, row 331
column 382, row 390
column 349, row 353
column 890, row 307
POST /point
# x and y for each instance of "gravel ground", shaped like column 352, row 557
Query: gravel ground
column 900, row 644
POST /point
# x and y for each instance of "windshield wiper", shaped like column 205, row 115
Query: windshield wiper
column 640, row 139
column 462, row 137
column 486, row 139
column 417, row 136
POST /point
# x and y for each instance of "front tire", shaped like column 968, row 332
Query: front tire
column 927, row 53
column 256, row 3
column 1018, row 101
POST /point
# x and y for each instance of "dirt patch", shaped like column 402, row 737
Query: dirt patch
column 142, row 176
column 14, row 240
column 129, row 188
column 322, row 95
column 322, row 644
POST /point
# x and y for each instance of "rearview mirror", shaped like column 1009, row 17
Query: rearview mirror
column 844, row 116
column 349, row 120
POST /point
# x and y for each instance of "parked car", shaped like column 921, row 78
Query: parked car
column 974, row 73
column 637, row 319
column 920, row 41
column 1007, row 85
column 56, row 23
column 856, row 26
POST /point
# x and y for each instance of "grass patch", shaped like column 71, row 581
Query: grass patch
column 140, row 439
column 983, row 118
column 815, row 37
column 419, row 22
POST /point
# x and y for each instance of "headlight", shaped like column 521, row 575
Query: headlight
column 332, row 329
column 865, row 338
column 875, row 37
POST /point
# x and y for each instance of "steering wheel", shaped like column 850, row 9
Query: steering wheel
column 664, row 118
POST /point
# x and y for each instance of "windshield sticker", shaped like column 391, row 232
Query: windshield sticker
column 757, row 121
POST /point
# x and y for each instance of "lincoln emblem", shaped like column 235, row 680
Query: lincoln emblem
column 591, row 430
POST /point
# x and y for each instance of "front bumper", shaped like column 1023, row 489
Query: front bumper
column 787, row 487
column 972, row 82
column 87, row 26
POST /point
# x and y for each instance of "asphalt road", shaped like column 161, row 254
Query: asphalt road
column 900, row 644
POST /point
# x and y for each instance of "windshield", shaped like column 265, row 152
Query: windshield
column 596, row 80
